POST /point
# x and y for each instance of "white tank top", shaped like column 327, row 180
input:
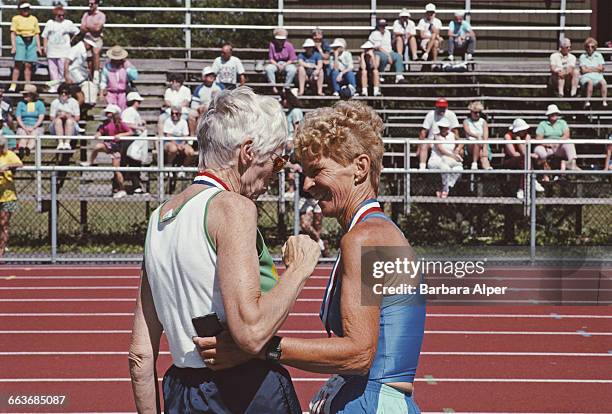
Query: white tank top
column 476, row 126
column 181, row 269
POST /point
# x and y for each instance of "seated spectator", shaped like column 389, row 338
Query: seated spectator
column 117, row 74
column 445, row 156
column 25, row 44
column 368, row 69
column 311, row 219
column 322, row 46
column 563, row 68
column 341, row 66
column 477, row 128
column 64, row 116
column 515, row 153
column 56, row 43
column 404, row 31
column 430, row 128
column 295, row 116
column 8, row 133
column 176, row 127
column 202, row 97
column 608, row 160
column 228, row 68
column 310, row 67
column 30, row 114
column 381, row 39
column 461, row 36
column 555, row 128
column 111, row 127
column 8, row 193
column 6, row 107
column 92, row 25
column 282, row 59
column 429, row 33
column 591, row 67
column 132, row 119
column 76, row 69
column 177, row 95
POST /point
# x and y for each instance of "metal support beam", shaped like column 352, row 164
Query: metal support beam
column 53, row 213
column 280, row 17
column 188, row 29
column 563, row 8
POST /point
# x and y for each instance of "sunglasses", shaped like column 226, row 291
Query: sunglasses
column 176, row 113
column 279, row 162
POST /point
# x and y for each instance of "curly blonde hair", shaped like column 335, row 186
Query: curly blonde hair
column 342, row 132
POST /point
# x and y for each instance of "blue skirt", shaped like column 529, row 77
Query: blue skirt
column 252, row 388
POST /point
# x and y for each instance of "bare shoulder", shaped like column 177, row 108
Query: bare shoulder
column 230, row 212
column 372, row 232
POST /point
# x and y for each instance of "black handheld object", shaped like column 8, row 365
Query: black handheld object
column 208, row 325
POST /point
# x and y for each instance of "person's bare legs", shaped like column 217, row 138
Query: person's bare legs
column 423, row 152
column 364, row 81
column 118, row 175
column 5, row 218
column 412, row 43
column 192, row 121
column 301, row 80
column 604, row 91
column 399, row 44
column 575, row 75
column 100, row 147
column 16, row 71
column 170, row 152
column 189, row 155
column 435, row 46
column 58, row 125
column 320, row 84
column 27, row 72
column 589, row 89
column 160, row 126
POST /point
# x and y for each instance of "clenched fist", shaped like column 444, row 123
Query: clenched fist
column 301, row 250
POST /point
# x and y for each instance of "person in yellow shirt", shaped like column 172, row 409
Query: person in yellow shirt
column 25, row 43
column 8, row 193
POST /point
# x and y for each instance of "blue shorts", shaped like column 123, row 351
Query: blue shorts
column 25, row 52
column 255, row 387
column 360, row 396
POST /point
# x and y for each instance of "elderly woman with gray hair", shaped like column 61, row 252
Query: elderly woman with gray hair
column 207, row 271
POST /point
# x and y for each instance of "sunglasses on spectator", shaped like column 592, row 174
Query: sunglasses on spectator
column 590, row 46
column 176, row 113
column 279, row 162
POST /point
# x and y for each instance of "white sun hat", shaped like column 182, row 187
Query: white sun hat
column 552, row 109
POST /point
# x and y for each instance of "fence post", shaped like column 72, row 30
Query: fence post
column 38, row 163
column 160, row 167
column 532, row 231
column 563, row 8
column 296, row 205
column 281, row 19
column 1, row 39
column 373, row 13
column 188, row 29
column 407, row 178
column 53, row 216
column 468, row 10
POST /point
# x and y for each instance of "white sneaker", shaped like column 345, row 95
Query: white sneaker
column 377, row 91
column 356, row 94
column 67, row 146
column 59, row 147
column 451, row 58
column 364, row 92
column 422, row 167
column 468, row 56
column 520, row 194
column 336, row 94
column 539, row 188
column 181, row 174
column 399, row 78
column 425, row 56
column 85, row 164
column 474, row 166
column 381, row 79
column 120, row 194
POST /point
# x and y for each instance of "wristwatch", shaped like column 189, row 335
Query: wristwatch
column 273, row 349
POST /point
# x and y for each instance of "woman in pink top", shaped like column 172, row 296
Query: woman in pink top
column 117, row 74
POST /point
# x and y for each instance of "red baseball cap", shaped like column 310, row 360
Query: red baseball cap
column 441, row 103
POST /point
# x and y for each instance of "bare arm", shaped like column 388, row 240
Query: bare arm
column 144, row 349
column 13, row 41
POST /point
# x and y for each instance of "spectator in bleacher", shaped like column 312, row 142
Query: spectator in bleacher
column 429, row 33
column 64, row 117
column 322, row 45
column 515, row 153
column 203, row 96
column 555, row 128
column 56, row 43
column 8, row 193
column 30, row 114
column 117, row 75
column 341, row 67
column 476, row 127
column 111, row 127
column 177, row 95
column 405, row 33
column 381, row 39
column 461, row 36
column 592, row 67
column 177, row 128
column 282, row 58
column 92, row 25
column 430, row 128
column 368, row 69
column 563, row 68
column 25, row 44
column 446, row 156
column 131, row 117
column 6, row 107
column 310, row 68
column 608, row 160
column 8, row 133
column 76, row 70
column 228, row 68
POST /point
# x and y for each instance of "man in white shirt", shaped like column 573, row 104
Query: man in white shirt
column 64, row 115
column 381, row 39
column 56, row 43
column 563, row 67
column 430, row 128
column 177, row 95
column 404, row 31
column 176, row 127
column 75, row 65
column 429, row 31
column 131, row 117
column 202, row 96
column 228, row 68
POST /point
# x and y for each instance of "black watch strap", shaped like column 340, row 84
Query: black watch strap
column 273, row 349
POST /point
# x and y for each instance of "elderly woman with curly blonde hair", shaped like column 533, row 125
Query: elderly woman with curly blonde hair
column 376, row 346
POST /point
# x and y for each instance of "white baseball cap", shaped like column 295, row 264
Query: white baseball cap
column 338, row 42
column 24, row 6
column 207, row 71
column 112, row 108
column 430, row 7
column 519, row 125
column 367, row 45
column 134, row 96
column 308, row 43
column 460, row 13
column 443, row 123
column 552, row 109
column 404, row 13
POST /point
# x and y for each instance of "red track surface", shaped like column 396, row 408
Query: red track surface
column 65, row 331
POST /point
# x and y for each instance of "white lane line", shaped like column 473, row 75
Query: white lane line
column 308, row 331
column 502, row 354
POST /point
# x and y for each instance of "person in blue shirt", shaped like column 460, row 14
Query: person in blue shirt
column 461, row 36
column 5, row 131
column 310, row 67
column 591, row 69
column 30, row 114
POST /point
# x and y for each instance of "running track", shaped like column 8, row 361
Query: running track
column 65, row 331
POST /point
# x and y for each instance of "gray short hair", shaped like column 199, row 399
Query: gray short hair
column 232, row 117
column 565, row 42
